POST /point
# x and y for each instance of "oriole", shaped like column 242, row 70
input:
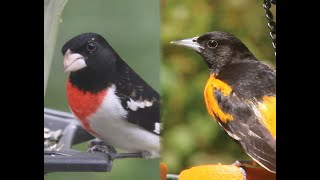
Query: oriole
column 240, row 94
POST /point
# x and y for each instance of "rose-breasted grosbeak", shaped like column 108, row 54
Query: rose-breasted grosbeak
column 111, row 101
column 240, row 94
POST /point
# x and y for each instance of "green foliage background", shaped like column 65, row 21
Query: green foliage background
column 191, row 137
column 133, row 30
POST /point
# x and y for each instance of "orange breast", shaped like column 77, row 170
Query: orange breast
column 83, row 104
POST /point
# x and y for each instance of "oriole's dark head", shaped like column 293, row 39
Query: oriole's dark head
column 217, row 48
column 88, row 51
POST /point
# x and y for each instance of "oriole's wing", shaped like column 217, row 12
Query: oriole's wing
column 251, row 122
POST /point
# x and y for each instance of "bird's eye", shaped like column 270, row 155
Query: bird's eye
column 212, row 44
column 91, row 47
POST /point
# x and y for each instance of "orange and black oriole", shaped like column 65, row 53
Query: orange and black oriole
column 240, row 94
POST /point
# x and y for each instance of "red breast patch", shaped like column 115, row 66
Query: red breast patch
column 83, row 104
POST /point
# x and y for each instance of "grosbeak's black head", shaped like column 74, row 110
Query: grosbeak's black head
column 88, row 52
column 217, row 48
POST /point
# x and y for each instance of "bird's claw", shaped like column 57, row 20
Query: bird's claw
column 95, row 142
column 145, row 154
column 108, row 150
column 240, row 163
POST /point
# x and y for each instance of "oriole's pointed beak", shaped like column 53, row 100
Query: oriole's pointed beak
column 190, row 43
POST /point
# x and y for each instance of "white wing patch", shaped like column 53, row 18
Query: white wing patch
column 110, row 124
column 256, row 110
column 157, row 127
column 134, row 105
column 230, row 134
column 233, row 136
column 251, row 133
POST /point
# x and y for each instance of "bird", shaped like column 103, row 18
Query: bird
column 110, row 100
column 240, row 94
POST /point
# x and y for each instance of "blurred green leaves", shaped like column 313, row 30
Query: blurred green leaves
column 191, row 137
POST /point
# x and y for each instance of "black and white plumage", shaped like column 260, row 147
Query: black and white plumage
column 110, row 100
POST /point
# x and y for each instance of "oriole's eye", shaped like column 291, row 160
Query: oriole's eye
column 212, row 44
column 91, row 47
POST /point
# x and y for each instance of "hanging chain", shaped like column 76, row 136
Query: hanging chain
column 271, row 23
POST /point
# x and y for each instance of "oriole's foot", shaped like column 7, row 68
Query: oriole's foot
column 243, row 163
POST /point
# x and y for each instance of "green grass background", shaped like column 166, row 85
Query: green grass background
column 133, row 30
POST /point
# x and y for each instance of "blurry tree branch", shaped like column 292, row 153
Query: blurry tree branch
column 52, row 13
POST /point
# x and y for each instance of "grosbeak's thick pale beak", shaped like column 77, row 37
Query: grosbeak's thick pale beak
column 190, row 43
column 73, row 61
